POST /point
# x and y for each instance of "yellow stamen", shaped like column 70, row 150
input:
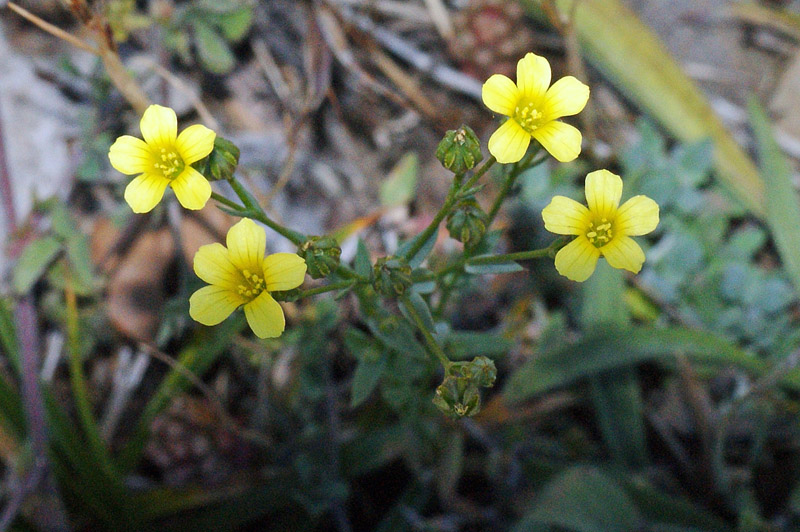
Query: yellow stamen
column 169, row 163
column 600, row 233
column 528, row 116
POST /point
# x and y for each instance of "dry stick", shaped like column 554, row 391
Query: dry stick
column 53, row 30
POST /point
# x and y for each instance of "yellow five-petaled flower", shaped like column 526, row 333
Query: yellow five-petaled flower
column 533, row 110
column 163, row 158
column 605, row 228
column 241, row 276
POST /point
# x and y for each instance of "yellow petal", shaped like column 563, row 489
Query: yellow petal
column 566, row 97
column 144, row 192
column 603, row 191
column 500, row 94
column 565, row 216
column 265, row 316
column 623, row 253
column 194, row 143
column 561, row 140
column 637, row 216
column 212, row 304
column 159, row 126
column 509, row 143
column 211, row 264
column 130, row 155
column 576, row 261
column 533, row 76
column 247, row 242
column 192, row 189
column 284, row 271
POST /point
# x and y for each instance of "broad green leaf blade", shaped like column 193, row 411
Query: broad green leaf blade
column 783, row 209
column 582, row 499
column 400, row 185
column 567, row 363
column 637, row 62
column 615, row 393
column 33, row 262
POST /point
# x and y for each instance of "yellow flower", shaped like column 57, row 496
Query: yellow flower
column 163, row 158
column 605, row 228
column 533, row 110
column 241, row 275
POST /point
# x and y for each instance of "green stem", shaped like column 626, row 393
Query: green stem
column 225, row 201
column 487, row 164
column 255, row 212
column 327, row 288
column 549, row 251
column 433, row 346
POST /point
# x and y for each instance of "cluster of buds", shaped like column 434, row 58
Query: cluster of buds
column 321, row 254
column 467, row 222
column 459, row 150
column 391, row 276
column 458, row 395
column 223, row 160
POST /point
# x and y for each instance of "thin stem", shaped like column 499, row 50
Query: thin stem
column 433, row 346
column 521, row 255
column 225, row 201
column 257, row 213
column 327, row 288
column 487, row 164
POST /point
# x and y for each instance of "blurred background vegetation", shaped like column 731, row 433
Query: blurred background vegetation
column 666, row 401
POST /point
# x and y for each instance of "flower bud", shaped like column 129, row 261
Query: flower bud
column 481, row 372
column 459, row 150
column 321, row 254
column 457, row 397
column 392, row 276
column 467, row 222
column 223, row 160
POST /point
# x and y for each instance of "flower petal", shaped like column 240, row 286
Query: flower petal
column 565, row 216
column 500, row 94
column 159, row 126
column 265, row 316
column 144, row 192
column 566, row 97
column 211, row 264
column 533, row 76
column 192, row 189
column 576, row 261
column 509, row 143
column 130, row 155
column 195, row 142
column 247, row 243
column 603, row 191
column 637, row 216
column 561, row 140
column 212, row 304
column 624, row 253
column 284, row 271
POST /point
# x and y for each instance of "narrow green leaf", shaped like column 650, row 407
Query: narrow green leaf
column 361, row 263
column 400, row 185
column 567, row 363
column 8, row 334
column 481, row 269
column 365, row 379
column 422, row 309
column 234, row 25
column 582, row 499
column 423, row 252
column 33, row 262
column 783, row 209
column 462, row 345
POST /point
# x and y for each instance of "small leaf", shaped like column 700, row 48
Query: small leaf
column 213, row 50
column 234, row 25
column 401, row 183
column 34, row 261
column 422, row 309
column 361, row 263
column 423, row 252
column 365, row 379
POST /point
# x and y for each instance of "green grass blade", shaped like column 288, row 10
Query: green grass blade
column 783, row 209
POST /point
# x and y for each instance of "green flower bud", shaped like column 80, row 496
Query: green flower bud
column 457, row 397
column 223, row 160
column 482, row 371
column 459, row 150
column 467, row 222
column 392, row 276
column 321, row 254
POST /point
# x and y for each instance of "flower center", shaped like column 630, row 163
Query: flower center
column 599, row 233
column 528, row 116
column 252, row 286
column 169, row 163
